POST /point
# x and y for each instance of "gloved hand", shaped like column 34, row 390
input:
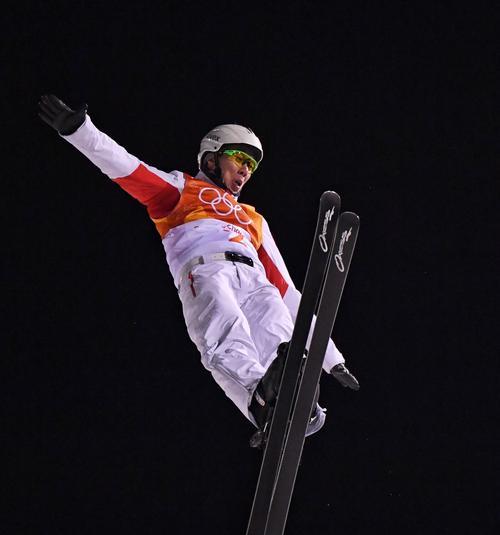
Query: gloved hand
column 59, row 116
column 344, row 376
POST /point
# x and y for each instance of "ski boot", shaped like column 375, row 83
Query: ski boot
column 264, row 399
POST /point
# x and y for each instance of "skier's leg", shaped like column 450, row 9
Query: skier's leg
column 268, row 317
column 221, row 331
column 271, row 328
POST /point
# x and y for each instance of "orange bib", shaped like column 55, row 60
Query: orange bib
column 201, row 200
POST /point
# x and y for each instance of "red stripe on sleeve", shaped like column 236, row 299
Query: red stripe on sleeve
column 273, row 273
column 162, row 204
column 144, row 185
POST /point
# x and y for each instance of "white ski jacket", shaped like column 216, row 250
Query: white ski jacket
column 193, row 216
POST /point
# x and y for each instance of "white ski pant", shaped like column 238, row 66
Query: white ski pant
column 237, row 319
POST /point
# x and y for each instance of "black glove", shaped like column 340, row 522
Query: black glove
column 57, row 115
column 344, row 376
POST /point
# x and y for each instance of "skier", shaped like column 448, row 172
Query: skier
column 238, row 300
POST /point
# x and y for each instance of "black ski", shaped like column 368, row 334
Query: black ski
column 318, row 261
column 338, row 267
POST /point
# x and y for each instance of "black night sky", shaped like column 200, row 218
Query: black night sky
column 112, row 425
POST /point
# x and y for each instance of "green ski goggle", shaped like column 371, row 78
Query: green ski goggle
column 241, row 158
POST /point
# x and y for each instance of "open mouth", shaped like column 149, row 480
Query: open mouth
column 237, row 183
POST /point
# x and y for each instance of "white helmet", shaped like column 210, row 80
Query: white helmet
column 231, row 134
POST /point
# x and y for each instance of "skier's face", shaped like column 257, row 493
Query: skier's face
column 233, row 175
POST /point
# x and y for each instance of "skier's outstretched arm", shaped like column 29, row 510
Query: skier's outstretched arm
column 158, row 190
column 277, row 273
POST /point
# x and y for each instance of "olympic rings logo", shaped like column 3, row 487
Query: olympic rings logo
column 222, row 205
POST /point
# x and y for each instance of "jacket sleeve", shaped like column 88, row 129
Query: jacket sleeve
column 157, row 190
column 277, row 273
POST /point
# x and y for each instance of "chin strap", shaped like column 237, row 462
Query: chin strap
column 216, row 173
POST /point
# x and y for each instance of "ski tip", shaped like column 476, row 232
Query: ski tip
column 330, row 193
column 330, row 197
column 350, row 215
